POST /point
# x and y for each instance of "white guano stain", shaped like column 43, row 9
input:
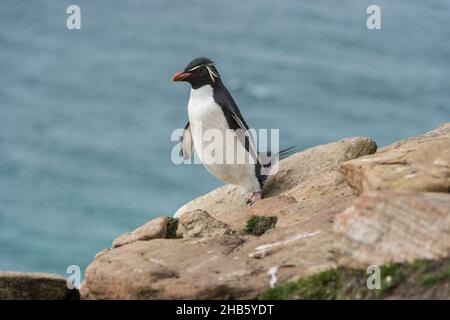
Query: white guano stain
column 198, row 266
column 158, row 261
column 440, row 162
column 273, row 276
column 261, row 251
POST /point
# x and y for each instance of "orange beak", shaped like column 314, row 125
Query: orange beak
column 180, row 76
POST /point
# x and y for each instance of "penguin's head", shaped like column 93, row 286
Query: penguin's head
column 198, row 72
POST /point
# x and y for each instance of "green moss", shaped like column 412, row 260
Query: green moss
column 394, row 274
column 323, row 286
column 283, row 291
column 258, row 225
column 343, row 283
column 436, row 278
column 172, row 226
column 421, row 265
column 148, row 294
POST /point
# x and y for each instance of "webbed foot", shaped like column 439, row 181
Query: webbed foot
column 255, row 196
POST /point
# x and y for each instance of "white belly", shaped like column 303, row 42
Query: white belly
column 204, row 115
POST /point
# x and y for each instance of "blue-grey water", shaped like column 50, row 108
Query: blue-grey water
column 86, row 115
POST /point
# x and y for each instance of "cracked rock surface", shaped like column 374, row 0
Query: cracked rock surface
column 419, row 164
column 35, row 286
column 339, row 204
column 214, row 258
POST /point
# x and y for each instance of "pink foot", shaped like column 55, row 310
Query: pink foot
column 255, row 196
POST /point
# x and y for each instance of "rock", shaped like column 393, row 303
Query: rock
column 421, row 163
column 199, row 223
column 314, row 163
column 156, row 228
column 159, row 269
column 237, row 218
column 34, row 286
column 215, row 201
column 318, row 165
column 102, row 252
column 210, row 263
column 398, row 226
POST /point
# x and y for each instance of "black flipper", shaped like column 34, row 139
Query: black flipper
column 187, row 144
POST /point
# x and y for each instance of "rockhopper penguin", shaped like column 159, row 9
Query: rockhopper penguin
column 211, row 106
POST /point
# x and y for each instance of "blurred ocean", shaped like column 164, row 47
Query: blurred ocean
column 86, row 116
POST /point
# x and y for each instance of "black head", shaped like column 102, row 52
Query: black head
column 199, row 72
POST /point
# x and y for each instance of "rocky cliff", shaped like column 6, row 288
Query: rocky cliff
column 35, row 286
column 340, row 205
column 329, row 213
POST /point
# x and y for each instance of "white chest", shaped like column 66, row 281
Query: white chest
column 202, row 108
column 204, row 114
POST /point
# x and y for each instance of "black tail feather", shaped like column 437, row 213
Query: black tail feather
column 283, row 154
column 268, row 159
